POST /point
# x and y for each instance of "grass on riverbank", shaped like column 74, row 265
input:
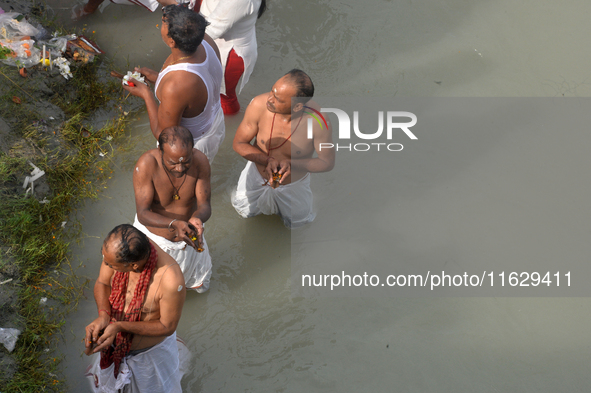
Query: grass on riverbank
column 36, row 235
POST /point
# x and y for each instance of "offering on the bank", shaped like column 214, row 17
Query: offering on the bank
column 64, row 67
column 82, row 49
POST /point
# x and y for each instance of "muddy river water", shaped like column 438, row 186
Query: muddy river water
column 248, row 333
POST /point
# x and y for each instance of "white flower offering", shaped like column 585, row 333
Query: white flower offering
column 64, row 66
column 132, row 75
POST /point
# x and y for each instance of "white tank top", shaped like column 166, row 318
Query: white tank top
column 211, row 73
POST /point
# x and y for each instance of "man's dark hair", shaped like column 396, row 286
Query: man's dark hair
column 173, row 135
column 134, row 245
column 303, row 83
column 185, row 27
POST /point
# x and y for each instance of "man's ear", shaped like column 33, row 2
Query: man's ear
column 297, row 107
column 170, row 42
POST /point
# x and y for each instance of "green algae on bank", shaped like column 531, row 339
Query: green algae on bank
column 51, row 125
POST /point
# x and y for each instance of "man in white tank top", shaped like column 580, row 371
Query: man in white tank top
column 188, row 85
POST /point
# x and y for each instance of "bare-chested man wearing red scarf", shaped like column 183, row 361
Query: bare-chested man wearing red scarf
column 139, row 294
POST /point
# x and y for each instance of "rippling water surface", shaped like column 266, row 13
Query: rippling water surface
column 247, row 334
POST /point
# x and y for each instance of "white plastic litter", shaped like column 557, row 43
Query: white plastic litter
column 10, row 27
column 15, row 34
column 35, row 174
column 8, row 337
column 43, row 301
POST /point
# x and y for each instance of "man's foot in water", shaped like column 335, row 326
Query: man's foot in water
column 79, row 12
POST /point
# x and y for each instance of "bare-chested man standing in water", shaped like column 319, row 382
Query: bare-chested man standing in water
column 139, row 295
column 281, row 148
column 172, row 198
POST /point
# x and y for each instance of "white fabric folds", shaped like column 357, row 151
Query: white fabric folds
column 196, row 266
column 292, row 202
column 232, row 26
column 210, row 142
column 156, row 371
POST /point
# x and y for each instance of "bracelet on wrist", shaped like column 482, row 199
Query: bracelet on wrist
column 102, row 309
column 169, row 225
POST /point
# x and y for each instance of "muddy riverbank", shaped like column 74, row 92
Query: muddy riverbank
column 61, row 135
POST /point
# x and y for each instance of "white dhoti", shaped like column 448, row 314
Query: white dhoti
column 210, row 142
column 151, row 5
column 292, row 202
column 155, row 370
column 196, row 266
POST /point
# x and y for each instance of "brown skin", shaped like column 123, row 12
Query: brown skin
column 154, row 192
column 181, row 93
column 162, row 307
column 257, row 123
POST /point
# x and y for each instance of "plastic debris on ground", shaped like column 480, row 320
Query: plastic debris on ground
column 24, row 45
column 8, row 338
column 17, row 47
column 35, row 174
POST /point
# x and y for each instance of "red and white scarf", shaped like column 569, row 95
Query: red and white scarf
column 122, row 344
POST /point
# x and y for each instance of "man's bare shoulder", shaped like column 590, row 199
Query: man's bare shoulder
column 259, row 103
column 313, row 104
column 148, row 162
column 149, row 158
column 172, row 276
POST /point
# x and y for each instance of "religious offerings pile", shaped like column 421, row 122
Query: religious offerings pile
column 24, row 45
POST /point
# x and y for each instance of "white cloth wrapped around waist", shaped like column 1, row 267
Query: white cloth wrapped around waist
column 155, row 370
column 209, row 143
column 292, row 202
column 196, row 266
